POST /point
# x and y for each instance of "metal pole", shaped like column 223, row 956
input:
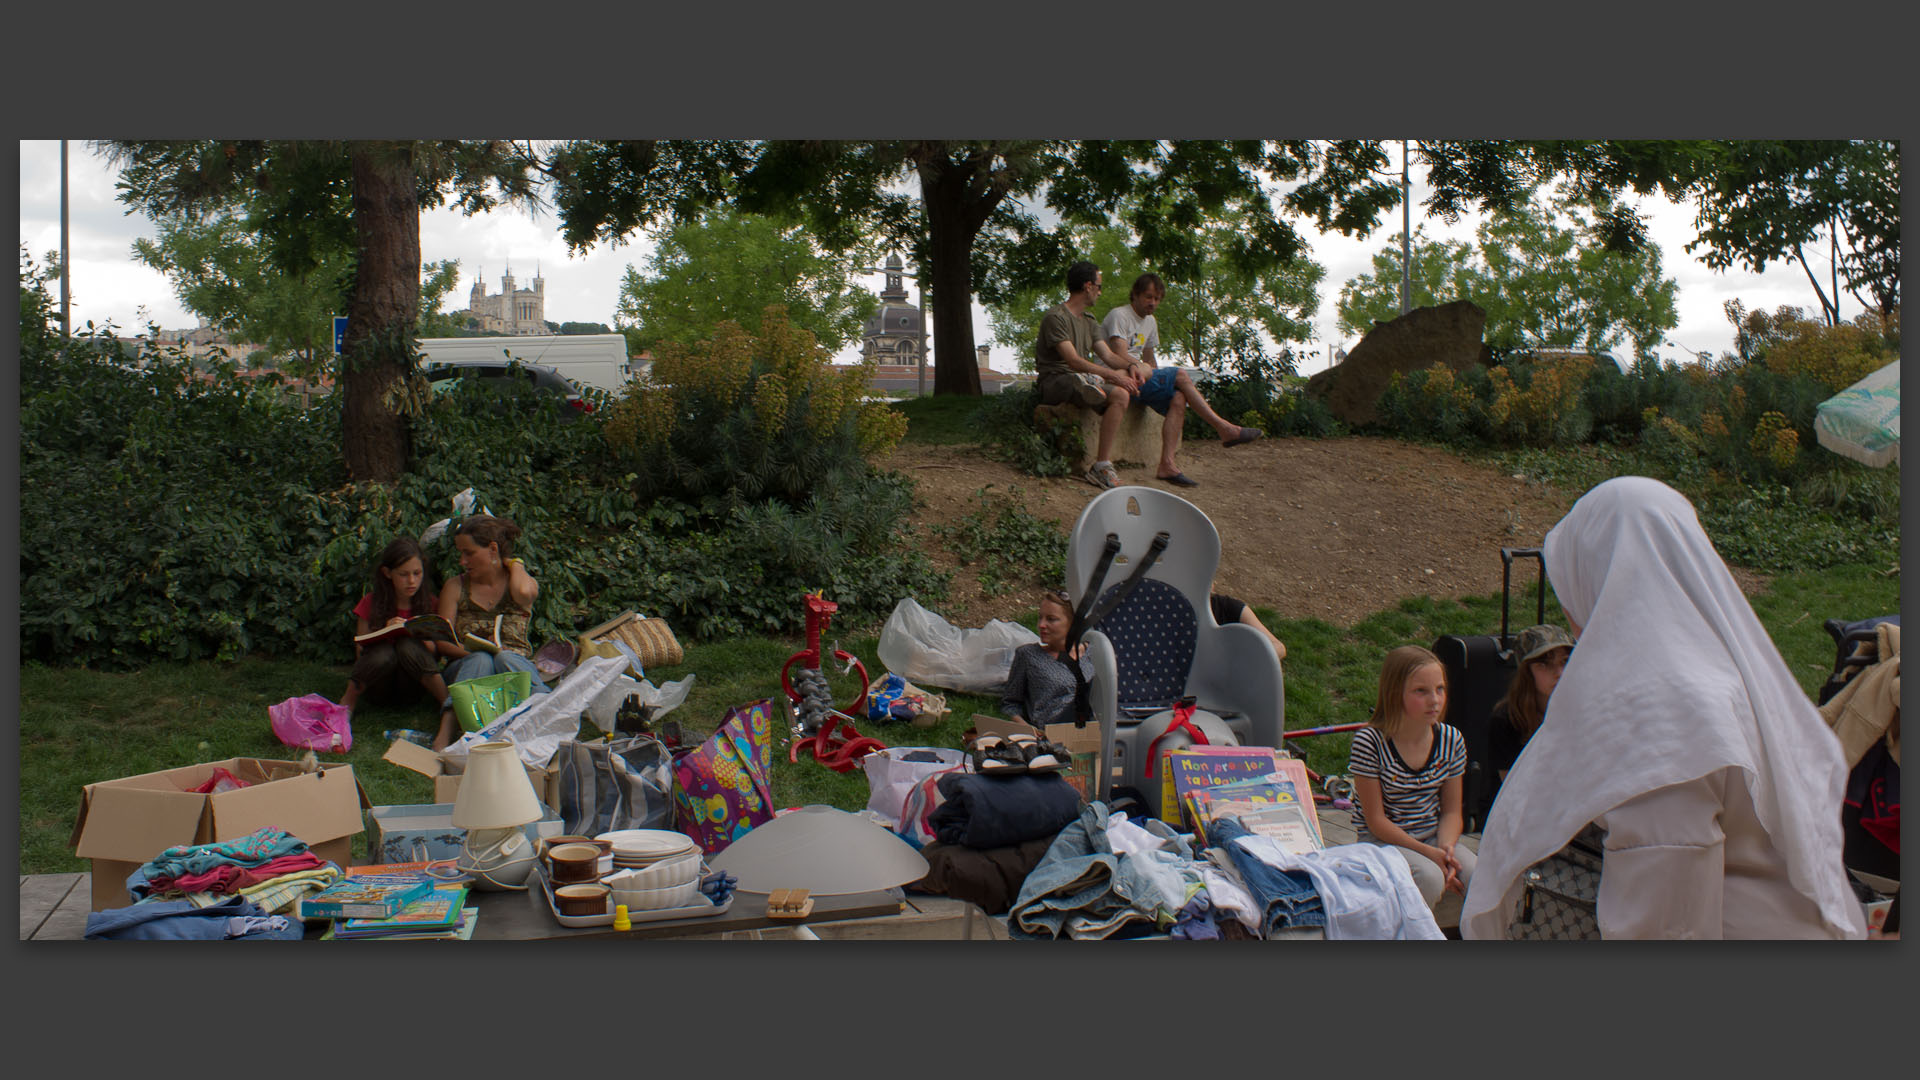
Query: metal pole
column 921, row 284
column 1406, row 235
column 66, row 323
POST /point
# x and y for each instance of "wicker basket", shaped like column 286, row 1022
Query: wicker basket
column 650, row 639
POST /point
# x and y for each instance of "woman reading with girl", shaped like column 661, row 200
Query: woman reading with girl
column 493, row 590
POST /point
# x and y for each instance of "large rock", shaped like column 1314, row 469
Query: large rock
column 1449, row 334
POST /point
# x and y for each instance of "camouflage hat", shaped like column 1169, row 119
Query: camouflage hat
column 1537, row 641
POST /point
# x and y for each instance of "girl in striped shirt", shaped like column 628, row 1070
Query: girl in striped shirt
column 1408, row 773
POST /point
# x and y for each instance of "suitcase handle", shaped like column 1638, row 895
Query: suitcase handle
column 1507, row 555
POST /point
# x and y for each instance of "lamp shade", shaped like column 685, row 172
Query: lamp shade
column 825, row 851
column 495, row 792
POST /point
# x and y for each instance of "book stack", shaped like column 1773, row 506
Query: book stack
column 1269, row 789
column 441, row 915
column 1267, row 807
column 366, row 896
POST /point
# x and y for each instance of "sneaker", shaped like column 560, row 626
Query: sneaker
column 1092, row 396
column 1102, row 476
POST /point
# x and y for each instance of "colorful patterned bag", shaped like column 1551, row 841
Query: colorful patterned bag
column 916, row 813
column 720, row 790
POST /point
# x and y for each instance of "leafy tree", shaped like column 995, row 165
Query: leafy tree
column 365, row 194
column 974, row 226
column 1759, row 201
column 728, row 265
column 1541, row 283
column 1221, row 314
column 437, row 280
column 585, row 328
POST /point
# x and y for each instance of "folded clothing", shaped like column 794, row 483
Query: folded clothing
column 989, row 878
column 1001, row 811
column 179, row 920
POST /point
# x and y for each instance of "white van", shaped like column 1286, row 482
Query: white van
column 598, row 360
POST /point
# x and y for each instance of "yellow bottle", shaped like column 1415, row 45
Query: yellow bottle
column 620, row 920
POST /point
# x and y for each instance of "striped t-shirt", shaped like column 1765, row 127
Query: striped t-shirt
column 1412, row 794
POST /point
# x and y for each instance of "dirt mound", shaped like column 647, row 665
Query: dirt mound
column 1333, row 529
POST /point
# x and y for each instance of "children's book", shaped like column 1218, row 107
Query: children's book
column 366, row 896
column 424, row 627
column 1183, row 770
column 437, row 911
column 1269, row 807
column 463, row 931
column 474, row 642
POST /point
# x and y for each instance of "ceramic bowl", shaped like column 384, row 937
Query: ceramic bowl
column 658, row 899
column 577, row 900
column 661, row 875
column 571, row 863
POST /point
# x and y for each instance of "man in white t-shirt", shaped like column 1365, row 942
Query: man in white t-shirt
column 1132, row 337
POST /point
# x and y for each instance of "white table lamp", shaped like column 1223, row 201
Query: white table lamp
column 496, row 799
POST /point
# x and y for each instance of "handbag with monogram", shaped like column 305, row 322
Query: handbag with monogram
column 1560, row 894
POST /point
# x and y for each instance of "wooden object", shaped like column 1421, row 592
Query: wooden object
column 789, row 904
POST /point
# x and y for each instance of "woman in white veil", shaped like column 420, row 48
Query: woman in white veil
column 1678, row 729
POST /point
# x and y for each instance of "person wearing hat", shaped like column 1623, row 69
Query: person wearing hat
column 1543, row 655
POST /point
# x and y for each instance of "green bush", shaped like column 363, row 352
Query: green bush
column 175, row 516
column 1013, row 548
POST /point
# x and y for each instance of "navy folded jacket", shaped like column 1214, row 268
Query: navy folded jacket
column 1000, row 811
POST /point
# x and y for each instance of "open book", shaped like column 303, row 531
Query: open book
column 424, row 627
column 476, row 643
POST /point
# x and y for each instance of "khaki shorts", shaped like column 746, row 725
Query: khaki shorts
column 1074, row 386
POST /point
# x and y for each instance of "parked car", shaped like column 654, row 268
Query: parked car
column 543, row 379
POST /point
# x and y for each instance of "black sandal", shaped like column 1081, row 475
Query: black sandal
column 997, row 756
column 1039, row 755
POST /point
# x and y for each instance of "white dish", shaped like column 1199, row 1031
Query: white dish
column 630, row 844
column 699, row 907
column 660, row 875
column 672, row 896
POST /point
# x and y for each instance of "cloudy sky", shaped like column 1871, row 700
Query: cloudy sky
column 108, row 284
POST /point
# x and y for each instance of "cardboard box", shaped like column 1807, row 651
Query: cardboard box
column 394, row 831
column 124, row 823
column 1083, row 742
column 446, row 771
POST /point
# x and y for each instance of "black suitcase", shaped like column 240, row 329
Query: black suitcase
column 1479, row 669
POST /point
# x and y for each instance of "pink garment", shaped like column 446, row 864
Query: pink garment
column 364, row 609
column 231, row 879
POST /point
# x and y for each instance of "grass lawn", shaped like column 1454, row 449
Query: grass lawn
column 78, row 726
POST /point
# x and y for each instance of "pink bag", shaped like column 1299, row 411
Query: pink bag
column 720, row 790
column 312, row 723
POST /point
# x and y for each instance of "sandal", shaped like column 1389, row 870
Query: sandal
column 1179, row 479
column 1102, row 476
column 996, row 756
column 1247, row 435
column 1039, row 755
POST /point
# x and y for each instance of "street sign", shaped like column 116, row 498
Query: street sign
column 339, row 333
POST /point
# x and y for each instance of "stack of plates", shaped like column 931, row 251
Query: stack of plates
column 636, row 849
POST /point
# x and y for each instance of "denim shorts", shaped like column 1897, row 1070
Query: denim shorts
column 1158, row 391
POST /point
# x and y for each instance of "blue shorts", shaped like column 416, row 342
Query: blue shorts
column 1158, row 391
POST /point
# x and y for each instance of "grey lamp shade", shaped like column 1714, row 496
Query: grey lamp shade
column 494, row 791
column 825, row 851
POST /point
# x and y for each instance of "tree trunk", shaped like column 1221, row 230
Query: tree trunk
column 381, row 310
column 954, row 218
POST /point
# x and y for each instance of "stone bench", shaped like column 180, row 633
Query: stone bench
column 1136, row 443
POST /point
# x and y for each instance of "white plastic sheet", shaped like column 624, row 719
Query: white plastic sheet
column 927, row 649
column 536, row 727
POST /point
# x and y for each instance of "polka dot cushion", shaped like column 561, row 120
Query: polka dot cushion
column 1153, row 637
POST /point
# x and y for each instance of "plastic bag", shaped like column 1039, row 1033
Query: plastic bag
column 476, row 702
column 892, row 773
column 312, row 723
column 928, row 649
column 663, row 699
column 540, row 724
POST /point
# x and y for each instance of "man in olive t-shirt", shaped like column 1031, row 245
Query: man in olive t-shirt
column 1072, row 364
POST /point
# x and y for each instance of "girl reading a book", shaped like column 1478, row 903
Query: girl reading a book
column 493, row 590
column 1409, row 774
column 1040, row 685
column 1543, row 656
column 386, row 668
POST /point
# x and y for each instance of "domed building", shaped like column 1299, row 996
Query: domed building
column 892, row 335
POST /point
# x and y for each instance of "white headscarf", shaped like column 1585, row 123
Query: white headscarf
column 1673, row 679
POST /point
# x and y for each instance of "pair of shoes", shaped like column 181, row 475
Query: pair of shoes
column 1102, row 476
column 996, row 755
column 1247, row 435
column 1040, row 755
column 1179, row 479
